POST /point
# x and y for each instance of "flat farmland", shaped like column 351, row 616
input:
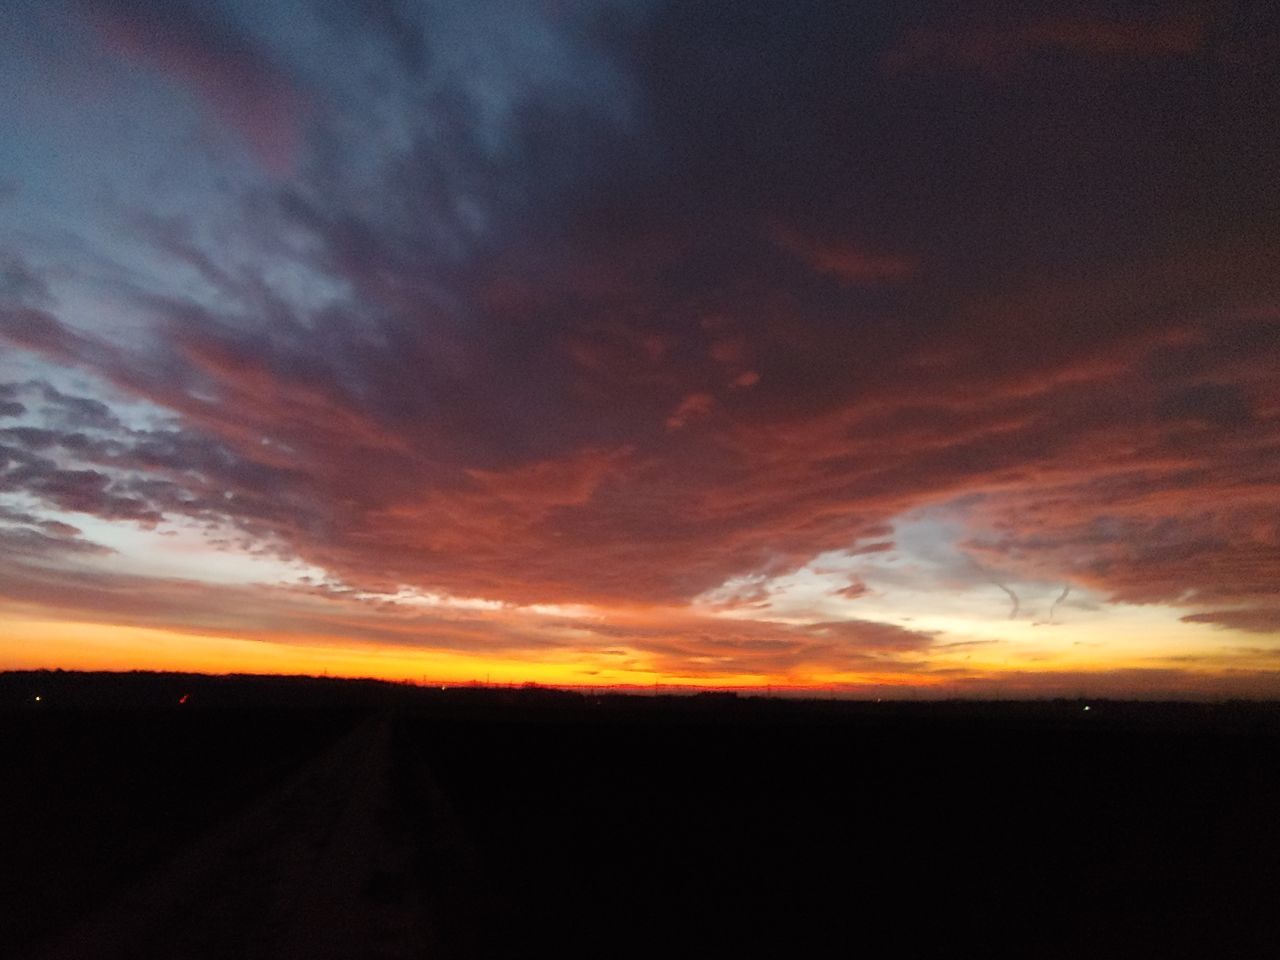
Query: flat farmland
column 908, row 836
column 94, row 800
column 329, row 820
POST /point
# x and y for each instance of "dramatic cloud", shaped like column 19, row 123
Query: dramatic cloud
column 644, row 308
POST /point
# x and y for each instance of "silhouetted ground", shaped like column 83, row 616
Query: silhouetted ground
column 321, row 818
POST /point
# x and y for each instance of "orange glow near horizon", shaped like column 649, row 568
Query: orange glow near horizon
column 110, row 647
column 47, row 644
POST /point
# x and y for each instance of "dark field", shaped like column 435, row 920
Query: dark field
column 287, row 818
column 94, row 799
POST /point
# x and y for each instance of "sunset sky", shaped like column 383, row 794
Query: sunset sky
column 888, row 349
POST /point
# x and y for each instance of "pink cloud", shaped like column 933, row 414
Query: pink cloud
column 240, row 87
column 691, row 407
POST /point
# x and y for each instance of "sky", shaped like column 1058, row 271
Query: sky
column 882, row 349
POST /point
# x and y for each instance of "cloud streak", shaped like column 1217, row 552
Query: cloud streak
column 241, row 87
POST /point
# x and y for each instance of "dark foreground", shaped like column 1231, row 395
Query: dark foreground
column 275, row 818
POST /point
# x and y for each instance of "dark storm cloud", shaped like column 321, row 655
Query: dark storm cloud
column 762, row 283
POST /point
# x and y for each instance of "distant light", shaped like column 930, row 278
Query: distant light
column 1086, row 706
column 442, row 688
column 37, row 698
column 183, row 698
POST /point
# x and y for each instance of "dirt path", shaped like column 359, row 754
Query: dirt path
column 322, row 867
